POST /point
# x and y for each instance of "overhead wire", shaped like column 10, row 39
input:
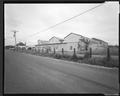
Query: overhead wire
column 66, row 20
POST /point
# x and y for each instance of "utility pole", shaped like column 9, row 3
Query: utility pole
column 15, row 36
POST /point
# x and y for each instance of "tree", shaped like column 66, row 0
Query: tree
column 87, row 42
column 20, row 44
column 79, row 45
column 9, row 46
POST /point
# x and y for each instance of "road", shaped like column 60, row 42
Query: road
column 25, row 73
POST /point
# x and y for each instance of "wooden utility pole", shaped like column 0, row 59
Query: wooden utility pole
column 90, row 52
column 14, row 35
column 62, row 51
column 108, row 54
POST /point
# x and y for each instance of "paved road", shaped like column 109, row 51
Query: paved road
column 25, row 73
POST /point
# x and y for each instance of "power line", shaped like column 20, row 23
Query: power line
column 67, row 20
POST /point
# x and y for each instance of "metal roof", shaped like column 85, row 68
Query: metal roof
column 50, row 44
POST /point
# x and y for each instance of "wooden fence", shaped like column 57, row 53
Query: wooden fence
column 86, row 54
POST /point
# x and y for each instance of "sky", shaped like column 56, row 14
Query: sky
column 28, row 19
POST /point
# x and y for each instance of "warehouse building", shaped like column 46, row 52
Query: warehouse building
column 70, row 42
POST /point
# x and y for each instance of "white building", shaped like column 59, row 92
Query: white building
column 42, row 42
column 98, row 42
column 56, row 43
column 55, row 40
column 70, row 42
column 74, row 41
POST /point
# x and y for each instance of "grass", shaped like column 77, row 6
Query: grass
column 113, row 51
column 101, row 62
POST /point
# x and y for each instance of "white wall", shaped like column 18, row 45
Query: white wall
column 72, row 38
column 67, row 47
column 54, row 40
column 98, row 43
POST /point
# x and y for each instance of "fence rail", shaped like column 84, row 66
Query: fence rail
column 89, row 53
column 88, row 56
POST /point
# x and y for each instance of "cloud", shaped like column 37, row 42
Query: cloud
column 10, row 17
column 32, row 18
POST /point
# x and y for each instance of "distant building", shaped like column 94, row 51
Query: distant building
column 42, row 42
column 56, row 43
column 98, row 43
column 73, row 40
column 53, row 43
column 42, row 45
column 55, row 40
column 21, row 45
column 70, row 42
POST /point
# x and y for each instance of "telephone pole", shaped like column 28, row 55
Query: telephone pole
column 14, row 35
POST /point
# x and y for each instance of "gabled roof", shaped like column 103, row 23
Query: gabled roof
column 56, row 38
column 98, row 40
column 21, row 44
column 75, row 34
column 43, row 41
column 50, row 44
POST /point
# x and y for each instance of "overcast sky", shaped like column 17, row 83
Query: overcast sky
column 101, row 23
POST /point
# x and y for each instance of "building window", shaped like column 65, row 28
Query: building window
column 70, row 47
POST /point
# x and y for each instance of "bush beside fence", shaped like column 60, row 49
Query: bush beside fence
column 74, row 56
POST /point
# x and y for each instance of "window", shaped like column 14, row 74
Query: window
column 70, row 47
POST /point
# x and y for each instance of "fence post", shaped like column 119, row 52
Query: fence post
column 42, row 50
column 62, row 51
column 74, row 52
column 74, row 57
column 20, row 49
column 54, row 50
column 16, row 49
column 32, row 51
column 47, row 51
column 35, row 51
column 108, row 53
column 90, row 52
column 39, row 51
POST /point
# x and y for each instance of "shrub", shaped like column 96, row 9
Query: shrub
column 57, row 56
column 29, row 48
column 87, row 55
column 101, row 62
column 66, row 57
column 74, row 57
column 80, row 58
column 111, row 63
